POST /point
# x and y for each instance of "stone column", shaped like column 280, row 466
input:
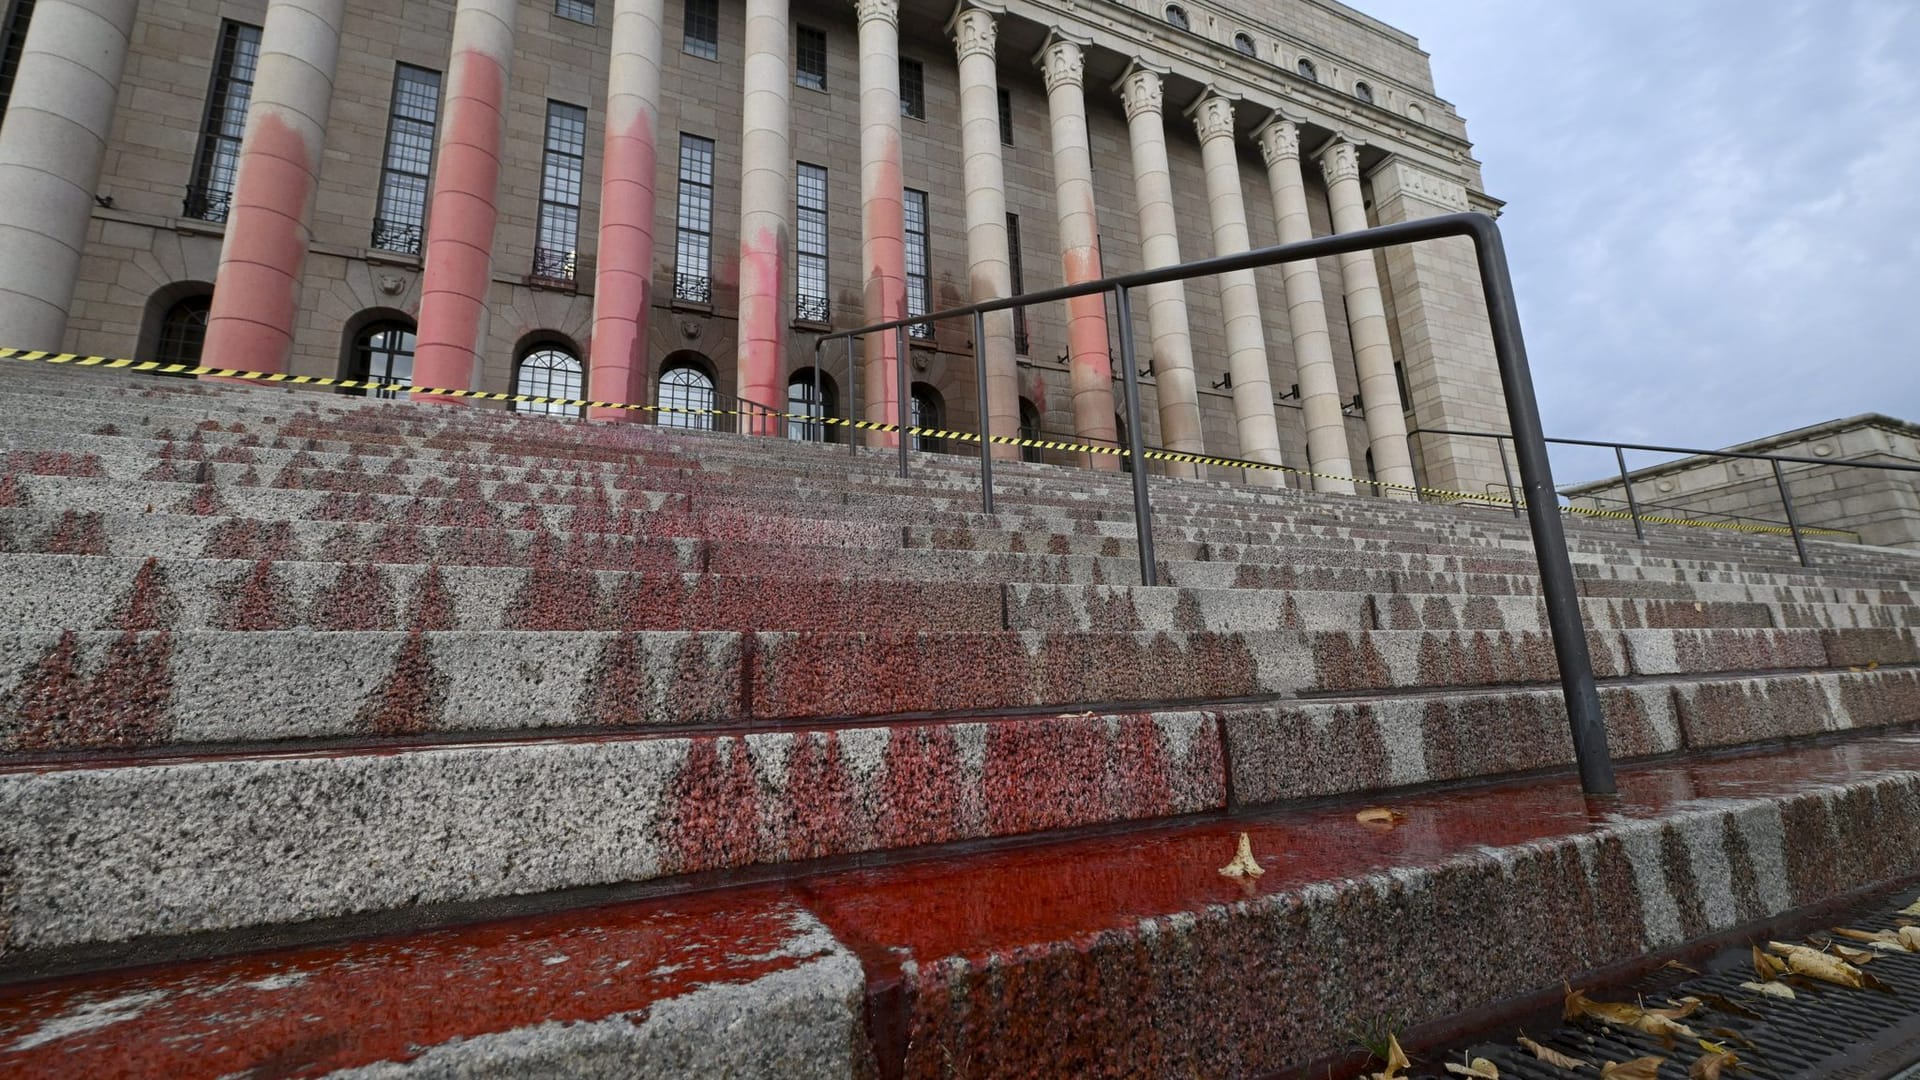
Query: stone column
column 1327, row 449
column 766, row 209
column 1367, row 316
column 1179, row 393
column 1091, row 369
column 466, row 183
column 256, row 297
column 623, row 284
column 883, row 228
column 1239, row 295
column 51, row 148
column 989, row 267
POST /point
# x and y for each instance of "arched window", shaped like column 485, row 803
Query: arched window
column 1307, row 70
column 927, row 413
column 1177, row 15
column 183, row 331
column 1030, row 429
column 802, row 399
column 685, row 387
column 1363, row 92
column 1244, row 44
column 383, row 353
column 550, row 372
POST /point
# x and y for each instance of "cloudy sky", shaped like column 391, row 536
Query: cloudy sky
column 1713, row 206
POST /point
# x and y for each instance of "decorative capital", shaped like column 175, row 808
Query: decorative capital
column 1213, row 118
column 974, row 33
column 1140, row 89
column 1341, row 161
column 886, row 10
column 1279, row 141
column 1062, row 63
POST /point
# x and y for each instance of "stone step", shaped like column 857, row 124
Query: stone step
column 1119, row 953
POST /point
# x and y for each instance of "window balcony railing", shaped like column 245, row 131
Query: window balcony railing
column 813, row 309
column 400, row 236
column 693, row 288
column 208, row 203
column 920, row 331
column 550, row 265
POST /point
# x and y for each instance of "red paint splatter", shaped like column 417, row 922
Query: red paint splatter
column 411, row 699
column 359, row 599
column 259, row 602
column 714, row 808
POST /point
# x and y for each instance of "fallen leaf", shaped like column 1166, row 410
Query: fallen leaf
column 1733, row 1036
column 1678, row 966
column 1645, row 1068
column 1479, row 1067
column 1549, row 1055
column 1874, row 938
column 1909, row 936
column 1771, row 989
column 1766, row 968
column 1243, row 864
column 1911, row 909
column 1663, row 1023
column 1396, row 1060
column 1727, row 1005
column 1818, row 965
column 1712, row 1047
column 1379, row 817
column 1873, row 665
column 1851, row 956
column 1709, row 1066
column 1688, row 1006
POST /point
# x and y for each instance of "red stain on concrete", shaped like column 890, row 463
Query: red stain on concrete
column 79, row 532
column 713, row 809
column 258, row 602
column 820, row 813
column 410, row 700
column 359, row 599
column 149, row 604
column 124, row 704
column 431, row 607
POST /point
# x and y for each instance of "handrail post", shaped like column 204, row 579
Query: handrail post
column 1513, row 497
column 1136, row 446
column 1793, row 519
column 900, row 393
column 853, row 398
column 1557, row 585
column 986, row 429
column 1633, row 504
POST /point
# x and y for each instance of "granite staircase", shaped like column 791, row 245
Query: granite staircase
column 351, row 735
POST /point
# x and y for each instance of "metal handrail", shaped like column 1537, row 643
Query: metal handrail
column 1557, row 586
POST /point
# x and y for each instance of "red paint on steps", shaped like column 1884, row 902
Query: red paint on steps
column 124, row 704
column 410, row 700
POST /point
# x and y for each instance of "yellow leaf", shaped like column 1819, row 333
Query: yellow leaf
column 1911, row 909
column 1713, row 1047
column 1379, row 817
column 1678, row 966
column 1733, row 1036
column 1662, row 1023
column 1549, row 1055
column 1817, row 965
column 1645, row 1068
column 1480, row 1068
column 1771, row 989
column 1766, row 968
column 1710, row 1066
column 1909, row 937
column 1396, row 1060
column 1873, row 665
column 1243, row 864
column 1873, row 938
column 1851, row 956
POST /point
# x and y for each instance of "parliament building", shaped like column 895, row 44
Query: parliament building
column 668, row 202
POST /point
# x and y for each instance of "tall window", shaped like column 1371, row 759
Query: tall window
column 1030, row 430
column 577, row 10
column 1018, row 283
column 401, row 217
column 803, row 401
column 810, row 58
column 919, row 270
column 560, row 175
column 810, row 264
column 913, row 90
column 693, row 245
column 702, row 29
column 550, row 373
column 383, row 353
column 217, row 161
column 13, row 40
column 927, row 415
column 183, row 331
column 1006, row 117
column 685, row 391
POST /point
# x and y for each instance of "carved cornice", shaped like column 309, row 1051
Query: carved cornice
column 1140, row 89
column 885, row 10
column 1397, row 176
column 1279, row 141
column 1063, row 64
column 1213, row 118
column 1340, row 161
column 974, row 33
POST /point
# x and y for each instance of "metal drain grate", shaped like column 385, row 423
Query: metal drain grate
column 1829, row 1032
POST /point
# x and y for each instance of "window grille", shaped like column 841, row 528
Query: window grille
column 926, row 414
column 217, row 162
column 810, row 241
column 400, row 218
column 702, row 29
column 802, row 401
column 551, row 373
column 1006, row 117
column 919, row 270
column 693, row 244
column 577, row 10
column 183, row 331
column 913, row 90
column 383, row 353
column 1018, row 283
column 561, row 173
column 683, row 387
column 810, row 58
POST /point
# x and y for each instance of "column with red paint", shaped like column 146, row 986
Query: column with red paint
column 623, row 282
column 766, row 209
column 1091, row 369
column 256, row 295
column 464, row 210
column 883, row 227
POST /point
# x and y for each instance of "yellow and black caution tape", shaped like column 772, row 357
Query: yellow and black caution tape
column 154, row 367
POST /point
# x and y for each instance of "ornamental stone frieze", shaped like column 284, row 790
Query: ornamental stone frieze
column 1398, row 177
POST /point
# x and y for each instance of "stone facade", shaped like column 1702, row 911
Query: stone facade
column 1883, row 506
column 1356, row 95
